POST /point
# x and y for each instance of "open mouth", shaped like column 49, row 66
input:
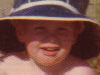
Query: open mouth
column 50, row 50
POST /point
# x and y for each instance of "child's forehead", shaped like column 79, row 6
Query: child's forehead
column 45, row 23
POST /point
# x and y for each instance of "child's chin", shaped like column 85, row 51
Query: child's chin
column 48, row 62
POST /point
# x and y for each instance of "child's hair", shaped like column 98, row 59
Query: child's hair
column 87, row 45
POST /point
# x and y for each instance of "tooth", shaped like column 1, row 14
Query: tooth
column 50, row 49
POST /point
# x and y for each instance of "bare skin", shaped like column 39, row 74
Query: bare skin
column 75, row 67
column 48, row 48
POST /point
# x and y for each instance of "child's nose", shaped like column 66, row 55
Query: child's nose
column 52, row 38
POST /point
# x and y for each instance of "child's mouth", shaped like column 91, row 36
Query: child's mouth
column 50, row 50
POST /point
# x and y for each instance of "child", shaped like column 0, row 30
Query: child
column 57, row 40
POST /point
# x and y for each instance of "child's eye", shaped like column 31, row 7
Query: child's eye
column 39, row 28
column 61, row 29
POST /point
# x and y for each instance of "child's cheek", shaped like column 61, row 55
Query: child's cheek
column 32, row 47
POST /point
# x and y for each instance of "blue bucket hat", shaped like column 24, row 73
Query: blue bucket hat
column 50, row 10
column 56, row 10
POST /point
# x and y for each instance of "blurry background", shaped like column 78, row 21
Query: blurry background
column 92, row 10
column 5, row 7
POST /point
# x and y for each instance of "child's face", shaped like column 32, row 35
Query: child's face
column 48, row 43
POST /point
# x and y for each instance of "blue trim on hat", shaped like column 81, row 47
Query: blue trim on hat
column 47, row 11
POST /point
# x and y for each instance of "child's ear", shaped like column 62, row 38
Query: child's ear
column 79, row 29
column 20, row 34
column 19, row 30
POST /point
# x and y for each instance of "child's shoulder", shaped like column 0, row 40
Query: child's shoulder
column 12, row 65
column 79, row 67
column 10, row 60
column 81, row 70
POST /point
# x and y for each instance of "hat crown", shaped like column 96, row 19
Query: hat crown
column 18, row 3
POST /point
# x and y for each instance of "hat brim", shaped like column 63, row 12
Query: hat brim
column 47, row 10
column 48, row 19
